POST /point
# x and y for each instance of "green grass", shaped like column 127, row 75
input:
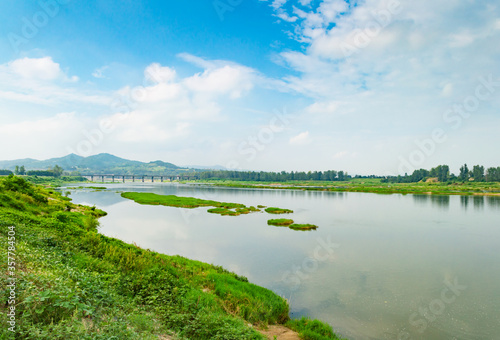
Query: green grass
column 54, row 181
column 280, row 222
column 89, row 187
column 371, row 185
column 221, row 208
column 273, row 210
column 303, row 226
column 74, row 283
column 312, row 329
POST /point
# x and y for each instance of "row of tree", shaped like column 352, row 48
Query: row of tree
column 442, row 173
column 330, row 175
column 56, row 171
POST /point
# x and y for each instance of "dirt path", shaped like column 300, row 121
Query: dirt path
column 281, row 333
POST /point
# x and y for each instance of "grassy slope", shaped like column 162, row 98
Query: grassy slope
column 74, row 283
column 371, row 185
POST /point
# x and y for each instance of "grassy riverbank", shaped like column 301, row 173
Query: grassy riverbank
column 303, row 227
column 280, row 222
column 221, row 208
column 274, row 210
column 370, row 185
column 74, row 283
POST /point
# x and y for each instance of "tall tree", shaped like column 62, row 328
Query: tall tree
column 22, row 170
column 478, row 173
column 340, row 175
column 57, row 170
column 493, row 174
column 464, row 173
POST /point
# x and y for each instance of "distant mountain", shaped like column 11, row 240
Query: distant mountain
column 103, row 163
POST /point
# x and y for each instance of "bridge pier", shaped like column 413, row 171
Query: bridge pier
column 102, row 178
column 123, row 179
column 133, row 178
column 142, row 179
column 161, row 179
column 113, row 178
column 152, row 179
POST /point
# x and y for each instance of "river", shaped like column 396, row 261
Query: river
column 378, row 267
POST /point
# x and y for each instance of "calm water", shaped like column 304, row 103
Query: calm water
column 378, row 267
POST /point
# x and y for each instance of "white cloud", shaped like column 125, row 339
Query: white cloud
column 164, row 113
column 40, row 138
column 170, row 108
column 286, row 17
column 200, row 62
column 47, row 125
column 36, row 68
column 447, row 90
column 461, row 40
column 328, row 108
column 232, row 80
column 99, row 72
column 278, row 3
column 300, row 139
column 159, row 74
column 41, row 81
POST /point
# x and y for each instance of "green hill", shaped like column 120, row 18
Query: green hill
column 103, row 163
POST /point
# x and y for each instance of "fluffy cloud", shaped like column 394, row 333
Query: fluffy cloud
column 40, row 68
column 300, row 139
column 41, row 81
column 163, row 113
column 54, row 133
column 168, row 107
column 381, row 67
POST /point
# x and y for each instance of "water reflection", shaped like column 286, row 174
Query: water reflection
column 436, row 200
column 421, row 199
column 478, row 202
column 440, row 201
column 464, row 201
column 493, row 202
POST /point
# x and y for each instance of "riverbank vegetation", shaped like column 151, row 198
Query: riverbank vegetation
column 280, row 222
column 54, row 181
column 74, row 283
column 222, row 208
column 303, row 226
column 273, row 210
column 371, row 185
column 86, row 188
column 283, row 222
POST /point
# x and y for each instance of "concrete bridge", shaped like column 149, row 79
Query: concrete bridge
column 141, row 178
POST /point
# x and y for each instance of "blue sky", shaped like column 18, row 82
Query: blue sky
column 375, row 86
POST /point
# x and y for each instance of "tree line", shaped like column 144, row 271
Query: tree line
column 478, row 173
column 442, row 174
column 55, row 171
column 330, row 175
